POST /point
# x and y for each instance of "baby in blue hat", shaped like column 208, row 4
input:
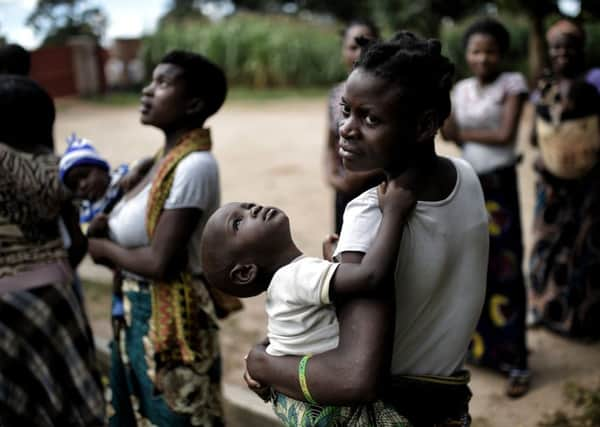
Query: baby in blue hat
column 88, row 176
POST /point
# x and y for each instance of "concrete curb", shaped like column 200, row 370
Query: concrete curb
column 242, row 407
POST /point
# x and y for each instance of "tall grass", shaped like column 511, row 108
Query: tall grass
column 257, row 50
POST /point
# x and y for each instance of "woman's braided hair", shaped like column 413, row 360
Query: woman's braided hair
column 417, row 67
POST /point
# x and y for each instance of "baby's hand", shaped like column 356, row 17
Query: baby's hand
column 329, row 245
column 395, row 198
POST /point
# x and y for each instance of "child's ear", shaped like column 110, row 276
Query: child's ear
column 195, row 106
column 427, row 125
column 243, row 274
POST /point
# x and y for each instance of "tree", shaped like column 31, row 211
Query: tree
column 182, row 10
column 58, row 20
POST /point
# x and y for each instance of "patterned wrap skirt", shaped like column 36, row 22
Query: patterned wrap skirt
column 48, row 374
column 499, row 339
column 144, row 393
column 565, row 259
column 296, row 413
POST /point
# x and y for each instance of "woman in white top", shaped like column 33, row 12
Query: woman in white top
column 170, row 334
column 485, row 115
column 393, row 104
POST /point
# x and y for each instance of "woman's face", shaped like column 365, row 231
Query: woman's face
column 566, row 54
column 374, row 133
column 164, row 102
column 483, row 56
column 351, row 49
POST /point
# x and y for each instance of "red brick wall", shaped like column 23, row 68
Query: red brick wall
column 52, row 68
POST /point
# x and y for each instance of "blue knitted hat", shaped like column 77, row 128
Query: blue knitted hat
column 80, row 151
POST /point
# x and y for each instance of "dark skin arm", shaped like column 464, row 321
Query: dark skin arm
column 503, row 135
column 349, row 374
column 164, row 256
column 78, row 248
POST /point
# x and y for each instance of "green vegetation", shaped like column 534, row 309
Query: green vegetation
column 257, row 50
column 587, row 404
column 132, row 98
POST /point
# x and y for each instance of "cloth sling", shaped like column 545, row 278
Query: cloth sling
column 172, row 302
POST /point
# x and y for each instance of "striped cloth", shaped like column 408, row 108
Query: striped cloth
column 48, row 375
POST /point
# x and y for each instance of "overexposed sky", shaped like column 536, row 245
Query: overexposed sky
column 126, row 18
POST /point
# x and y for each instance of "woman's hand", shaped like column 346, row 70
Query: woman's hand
column 263, row 391
column 98, row 226
column 97, row 250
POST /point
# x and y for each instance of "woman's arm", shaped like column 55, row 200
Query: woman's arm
column 505, row 133
column 349, row 374
column 78, row 247
column 165, row 255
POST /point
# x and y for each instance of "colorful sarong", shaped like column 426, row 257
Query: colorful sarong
column 296, row 413
column 565, row 259
column 143, row 393
column 499, row 340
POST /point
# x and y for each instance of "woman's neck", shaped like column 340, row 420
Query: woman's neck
column 486, row 80
column 172, row 137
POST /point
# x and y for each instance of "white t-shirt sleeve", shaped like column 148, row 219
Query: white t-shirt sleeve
column 361, row 221
column 195, row 183
column 515, row 84
column 308, row 281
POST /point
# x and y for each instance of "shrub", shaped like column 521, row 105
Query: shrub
column 587, row 403
column 257, row 50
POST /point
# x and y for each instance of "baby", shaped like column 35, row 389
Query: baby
column 248, row 249
column 88, row 176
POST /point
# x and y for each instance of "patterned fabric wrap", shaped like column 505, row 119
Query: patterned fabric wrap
column 146, row 393
column 296, row 413
column 172, row 309
column 499, row 339
column 30, row 200
column 565, row 258
column 48, row 373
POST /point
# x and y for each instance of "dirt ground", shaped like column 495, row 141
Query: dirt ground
column 270, row 152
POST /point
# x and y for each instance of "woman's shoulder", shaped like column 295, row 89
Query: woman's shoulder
column 512, row 82
column 196, row 163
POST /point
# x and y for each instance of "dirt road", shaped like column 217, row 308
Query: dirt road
column 271, row 152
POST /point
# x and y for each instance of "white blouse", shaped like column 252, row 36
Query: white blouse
column 196, row 185
column 480, row 107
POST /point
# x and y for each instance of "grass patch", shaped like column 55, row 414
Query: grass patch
column 586, row 402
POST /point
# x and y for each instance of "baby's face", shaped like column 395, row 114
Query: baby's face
column 252, row 232
column 88, row 182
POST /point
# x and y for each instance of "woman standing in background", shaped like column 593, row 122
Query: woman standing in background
column 347, row 185
column 486, row 109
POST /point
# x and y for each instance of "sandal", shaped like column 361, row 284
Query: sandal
column 518, row 383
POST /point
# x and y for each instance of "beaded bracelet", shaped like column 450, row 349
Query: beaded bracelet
column 302, row 379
